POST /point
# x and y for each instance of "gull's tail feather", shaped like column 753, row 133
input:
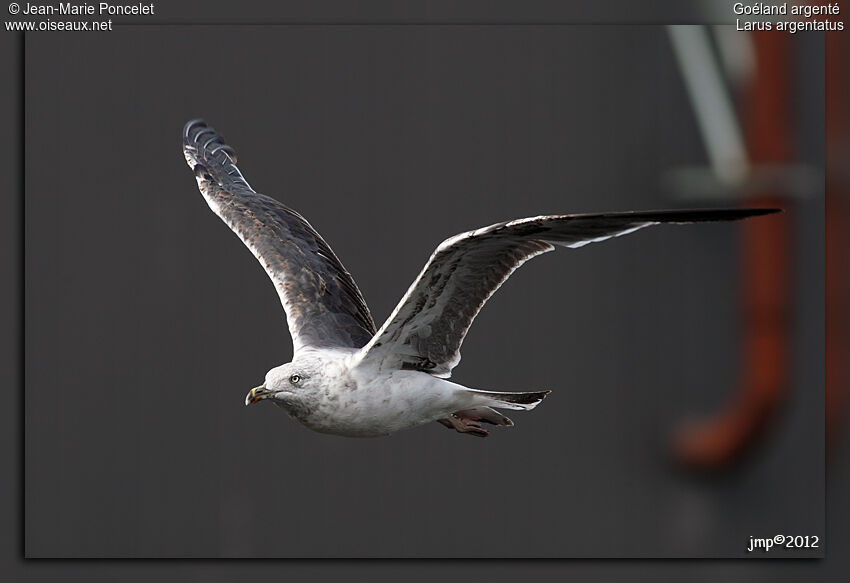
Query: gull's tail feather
column 515, row 401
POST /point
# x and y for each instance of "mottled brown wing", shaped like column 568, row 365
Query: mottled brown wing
column 324, row 307
column 427, row 328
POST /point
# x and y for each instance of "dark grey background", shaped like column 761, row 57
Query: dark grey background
column 147, row 320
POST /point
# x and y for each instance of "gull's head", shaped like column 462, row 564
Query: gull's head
column 282, row 382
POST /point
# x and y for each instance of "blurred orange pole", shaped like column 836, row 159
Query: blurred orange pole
column 837, row 219
column 716, row 442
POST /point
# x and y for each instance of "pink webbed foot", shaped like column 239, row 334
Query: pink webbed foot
column 469, row 421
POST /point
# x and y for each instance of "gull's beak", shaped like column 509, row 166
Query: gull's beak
column 257, row 394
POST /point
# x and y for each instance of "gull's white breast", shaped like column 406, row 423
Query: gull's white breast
column 364, row 402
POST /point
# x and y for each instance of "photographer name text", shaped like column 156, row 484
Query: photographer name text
column 102, row 8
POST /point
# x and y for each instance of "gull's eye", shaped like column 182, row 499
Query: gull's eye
column 295, row 379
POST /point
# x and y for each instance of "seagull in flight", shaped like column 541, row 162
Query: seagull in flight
column 348, row 377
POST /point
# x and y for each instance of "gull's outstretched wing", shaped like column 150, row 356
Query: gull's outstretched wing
column 324, row 307
column 427, row 327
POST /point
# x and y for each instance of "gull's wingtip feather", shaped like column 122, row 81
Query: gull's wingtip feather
column 192, row 123
column 699, row 215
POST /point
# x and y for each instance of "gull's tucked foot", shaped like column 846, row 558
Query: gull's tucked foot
column 467, row 421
